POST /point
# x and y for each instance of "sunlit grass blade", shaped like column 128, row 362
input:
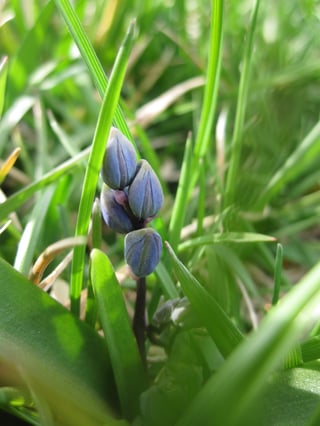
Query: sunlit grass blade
column 20, row 197
column 30, row 236
column 241, row 380
column 228, row 237
column 61, row 359
column 89, row 56
column 237, row 137
column 108, row 107
column 3, row 81
column 224, row 333
column 13, row 116
column 125, row 359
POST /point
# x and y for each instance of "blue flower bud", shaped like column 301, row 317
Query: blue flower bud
column 119, row 163
column 142, row 251
column 145, row 195
column 113, row 213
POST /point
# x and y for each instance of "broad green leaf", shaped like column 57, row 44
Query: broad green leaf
column 224, row 333
column 243, row 377
column 61, row 360
column 100, row 139
column 125, row 359
column 229, row 237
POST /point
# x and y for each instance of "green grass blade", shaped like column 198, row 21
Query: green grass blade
column 204, row 134
column 19, row 198
column 89, row 56
column 224, row 333
column 62, row 360
column 277, row 274
column 105, row 118
column 212, row 81
column 243, row 377
column 13, row 116
column 30, row 237
column 237, row 138
column 3, row 81
column 228, row 237
column 125, row 359
column 181, row 201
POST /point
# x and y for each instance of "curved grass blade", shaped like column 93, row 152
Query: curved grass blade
column 243, row 377
column 19, row 198
column 228, row 237
column 108, row 108
column 224, row 333
column 60, row 359
column 125, row 359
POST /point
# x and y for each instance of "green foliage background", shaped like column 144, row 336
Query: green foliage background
column 222, row 98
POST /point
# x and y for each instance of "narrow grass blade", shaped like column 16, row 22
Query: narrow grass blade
column 61, row 359
column 224, row 333
column 237, row 137
column 228, row 237
column 167, row 285
column 212, row 81
column 108, row 107
column 181, row 201
column 277, row 274
column 89, row 56
column 30, row 236
column 19, row 198
column 241, row 380
column 3, row 81
column 125, row 359
column 204, row 133
column 13, row 116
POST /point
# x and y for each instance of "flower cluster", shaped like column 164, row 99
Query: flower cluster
column 131, row 196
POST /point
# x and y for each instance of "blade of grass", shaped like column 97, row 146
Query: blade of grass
column 224, row 333
column 181, row 201
column 204, row 133
column 89, row 56
column 3, row 81
column 100, row 138
column 228, row 237
column 20, row 197
column 277, row 274
column 242, row 378
column 237, row 137
column 125, row 359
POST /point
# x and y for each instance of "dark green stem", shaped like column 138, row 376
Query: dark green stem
column 139, row 319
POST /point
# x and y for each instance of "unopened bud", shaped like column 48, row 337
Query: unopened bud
column 113, row 213
column 119, row 163
column 145, row 193
column 142, row 251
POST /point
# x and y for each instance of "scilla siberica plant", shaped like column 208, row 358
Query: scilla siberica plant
column 131, row 196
